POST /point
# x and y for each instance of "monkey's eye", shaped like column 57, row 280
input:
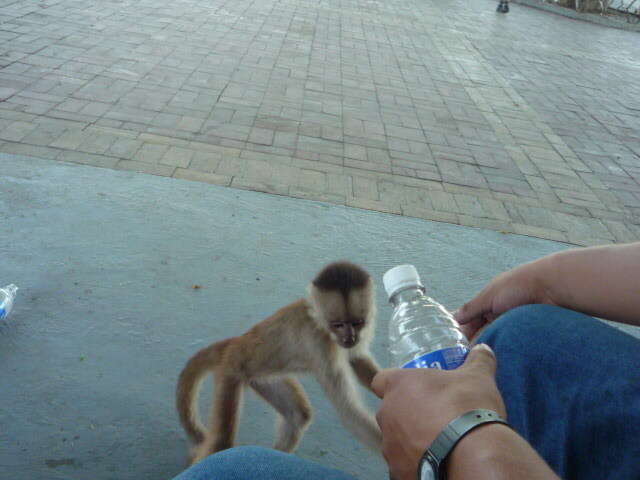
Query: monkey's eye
column 337, row 325
column 358, row 323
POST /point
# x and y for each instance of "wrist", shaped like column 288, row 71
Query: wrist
column 548, row 278
column 482, row 446
column 434, row 459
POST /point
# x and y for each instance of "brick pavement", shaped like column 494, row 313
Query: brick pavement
column 525, row 123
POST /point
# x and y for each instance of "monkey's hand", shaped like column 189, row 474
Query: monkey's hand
column 365, row 369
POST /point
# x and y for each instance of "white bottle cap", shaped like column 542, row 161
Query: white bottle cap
column 11, row 289
column 399, row 278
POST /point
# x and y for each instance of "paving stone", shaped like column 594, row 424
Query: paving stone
column 473, row 221
column 97, row 143
column 317, row 196
column 178, row 157
column 125, row 148
column 232, row 166
column 428, row 214
column 42, row 136
column 582, row 226
column 198, row 176
column 319, row 145
column 258, row 186
column 394, row 193
column 95, row 108
column 493, row 209
column 533, row 231
column 429, row 173
column 540, row 217
column 620, row 231
column 405, row 133
column 257, row 170
column 16, row 116
column 207, row 162
column 151, row 153
column 477, row 192
column 357, row 152
column 368, row 204
column 288, row 175
column 365, row 165
column 320, row 166
column 191, row 124
column 6, row 93
column 164, row 140
column 365, row 188
column 16, row 131
column 261, row 136
column 267, row 157
column 144, row 167
column 30, row 150
column 578, row 239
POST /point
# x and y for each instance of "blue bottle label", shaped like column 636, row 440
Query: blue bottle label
column 445, row 359
column 2, row 310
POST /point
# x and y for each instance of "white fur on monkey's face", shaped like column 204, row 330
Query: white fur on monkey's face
column 344, row 317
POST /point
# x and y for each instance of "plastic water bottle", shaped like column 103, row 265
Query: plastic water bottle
column 422, row 333
column 7, row 294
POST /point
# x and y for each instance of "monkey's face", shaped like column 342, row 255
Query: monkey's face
column 348, row 315
column 347, row 330
column 344, row 311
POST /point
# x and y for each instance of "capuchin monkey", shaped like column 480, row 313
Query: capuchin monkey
column 326, row 334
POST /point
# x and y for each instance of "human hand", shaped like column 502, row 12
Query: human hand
column 418, row 403
column 523, row 285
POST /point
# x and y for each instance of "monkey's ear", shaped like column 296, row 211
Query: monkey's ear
column 312, row 292
column 326, row 304
column 315, row 300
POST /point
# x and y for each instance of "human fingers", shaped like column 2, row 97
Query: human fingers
column 481, row 360
column 475, row 308
column 471, row 328
column 381, row 381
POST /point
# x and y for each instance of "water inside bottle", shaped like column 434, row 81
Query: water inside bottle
column 423, row 334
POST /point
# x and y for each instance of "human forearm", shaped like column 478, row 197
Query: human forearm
column 495, row 452
column 599, row 281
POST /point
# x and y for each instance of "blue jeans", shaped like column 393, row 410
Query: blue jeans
column 571, row 385
column 258, row 463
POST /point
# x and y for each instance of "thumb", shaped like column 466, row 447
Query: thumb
column 482, row 360
column 381, row 380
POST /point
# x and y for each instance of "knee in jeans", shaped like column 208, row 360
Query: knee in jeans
column 245, row 450
column 530, row 320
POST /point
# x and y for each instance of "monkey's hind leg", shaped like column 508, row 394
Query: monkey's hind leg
column 223, row 416
column 288, row 398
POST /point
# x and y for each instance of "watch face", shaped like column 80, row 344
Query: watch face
column 426, row 471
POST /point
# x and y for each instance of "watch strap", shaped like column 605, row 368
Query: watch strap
column 451, row 434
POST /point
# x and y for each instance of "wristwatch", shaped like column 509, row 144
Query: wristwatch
column 431, row 466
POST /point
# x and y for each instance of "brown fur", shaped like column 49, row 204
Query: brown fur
column 298, row 338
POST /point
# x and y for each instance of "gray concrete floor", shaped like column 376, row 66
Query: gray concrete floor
column 106, row 316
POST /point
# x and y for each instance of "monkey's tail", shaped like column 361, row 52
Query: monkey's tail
column 198, row 366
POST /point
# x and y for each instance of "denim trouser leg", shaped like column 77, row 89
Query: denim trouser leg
column 571, row 385
column 257, row 463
